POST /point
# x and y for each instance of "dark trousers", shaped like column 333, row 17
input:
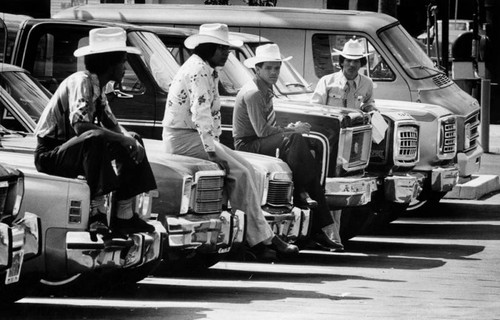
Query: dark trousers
column 90, row 155
column 294, row 150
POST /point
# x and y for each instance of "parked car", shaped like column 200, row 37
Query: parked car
column 20, row 233
column 399, row 67
column 139, row 101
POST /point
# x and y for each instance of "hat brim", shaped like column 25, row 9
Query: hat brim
column 349, row 56
column 194, row 40
column 85, row 51
column 251, row 62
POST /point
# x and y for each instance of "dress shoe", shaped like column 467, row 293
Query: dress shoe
column 325, row 243
column 98, row 223
column 263, row 253
column 283, row 247
column 307, row 200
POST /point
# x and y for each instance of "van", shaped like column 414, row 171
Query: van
column 399, row 67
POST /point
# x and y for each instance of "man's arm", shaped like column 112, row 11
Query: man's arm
column 255, row 107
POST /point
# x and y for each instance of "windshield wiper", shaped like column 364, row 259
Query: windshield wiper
column 428, row 68
column 295, row 84
column 4, row 131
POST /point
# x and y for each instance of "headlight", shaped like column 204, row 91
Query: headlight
column 187, row 185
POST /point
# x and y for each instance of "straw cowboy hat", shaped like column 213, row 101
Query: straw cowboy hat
column 353, row 50
column 217, row 33
column 265, row 53
column 103, row 40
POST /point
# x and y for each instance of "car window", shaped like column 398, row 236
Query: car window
column 325, row 63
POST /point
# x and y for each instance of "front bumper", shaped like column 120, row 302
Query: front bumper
column 18, row 243
column 438, row 179
column 401, row 188
column 85, row 253
column 213, row 234
column 290, row 225
column 349, row 191
column 469, row 163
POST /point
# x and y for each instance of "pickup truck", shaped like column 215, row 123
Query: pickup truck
column 20, row 234
column 342, row 142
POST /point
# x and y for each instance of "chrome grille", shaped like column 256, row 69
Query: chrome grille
column 441, row 80
column 407, row 144
column 280, row 193
column 4, row 191
column 448, row 141
column 208, row 194
column 471, row 127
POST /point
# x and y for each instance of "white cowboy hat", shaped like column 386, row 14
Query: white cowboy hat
column 211, row 33
column 265, row 53
column 353, row 50
column 103, row 40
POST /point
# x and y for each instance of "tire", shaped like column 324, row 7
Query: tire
column 428, row 203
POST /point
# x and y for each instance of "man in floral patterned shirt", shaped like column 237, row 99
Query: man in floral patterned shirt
column 192, row 126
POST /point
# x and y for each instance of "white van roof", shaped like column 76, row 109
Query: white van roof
column 255, row 16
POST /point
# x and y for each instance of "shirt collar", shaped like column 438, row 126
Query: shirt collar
column 264, row 86
column 343, row 79
column 95, row 85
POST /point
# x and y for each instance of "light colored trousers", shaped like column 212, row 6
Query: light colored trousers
column 243, row 193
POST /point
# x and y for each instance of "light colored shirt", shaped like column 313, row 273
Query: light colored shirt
column 333, row 90
column 77, row 99
column 193, row 101
column 253, row 111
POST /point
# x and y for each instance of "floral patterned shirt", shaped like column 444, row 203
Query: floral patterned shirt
column 77, row 99
column 193, row 101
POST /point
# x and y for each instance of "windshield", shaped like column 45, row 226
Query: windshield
column 30, row 95
column 157, row 58
column 291, row 82
column 233, row 76
column 408, row 53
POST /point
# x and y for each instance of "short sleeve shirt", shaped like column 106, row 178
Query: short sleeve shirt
column 331, row 90
column 77, row 99
column 193, row 101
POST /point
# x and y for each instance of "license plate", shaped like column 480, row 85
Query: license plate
column 14, row 271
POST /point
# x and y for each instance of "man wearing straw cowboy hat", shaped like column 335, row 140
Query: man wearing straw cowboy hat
column 79, row 135
column 192, row 125
column 347, row 88
column 255, row 130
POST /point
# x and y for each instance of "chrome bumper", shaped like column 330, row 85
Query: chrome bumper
column 20, row 242
column 85, row 254
column 401, row 189
column 469, row 163
column 290, row 225
column 349, row 191
column 444, row 179
column 221, row 232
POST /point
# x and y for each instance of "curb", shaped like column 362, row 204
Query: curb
column 478, row 186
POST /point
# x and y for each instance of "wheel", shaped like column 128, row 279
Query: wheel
column 356, row 221
column 427, row 203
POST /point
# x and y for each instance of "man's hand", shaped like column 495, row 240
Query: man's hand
column 212, row 156
column 368, row 108
column 300, row 127
column 135, row 149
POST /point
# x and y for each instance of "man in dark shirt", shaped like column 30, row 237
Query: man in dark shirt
column 255, row 130
column 79, row 135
